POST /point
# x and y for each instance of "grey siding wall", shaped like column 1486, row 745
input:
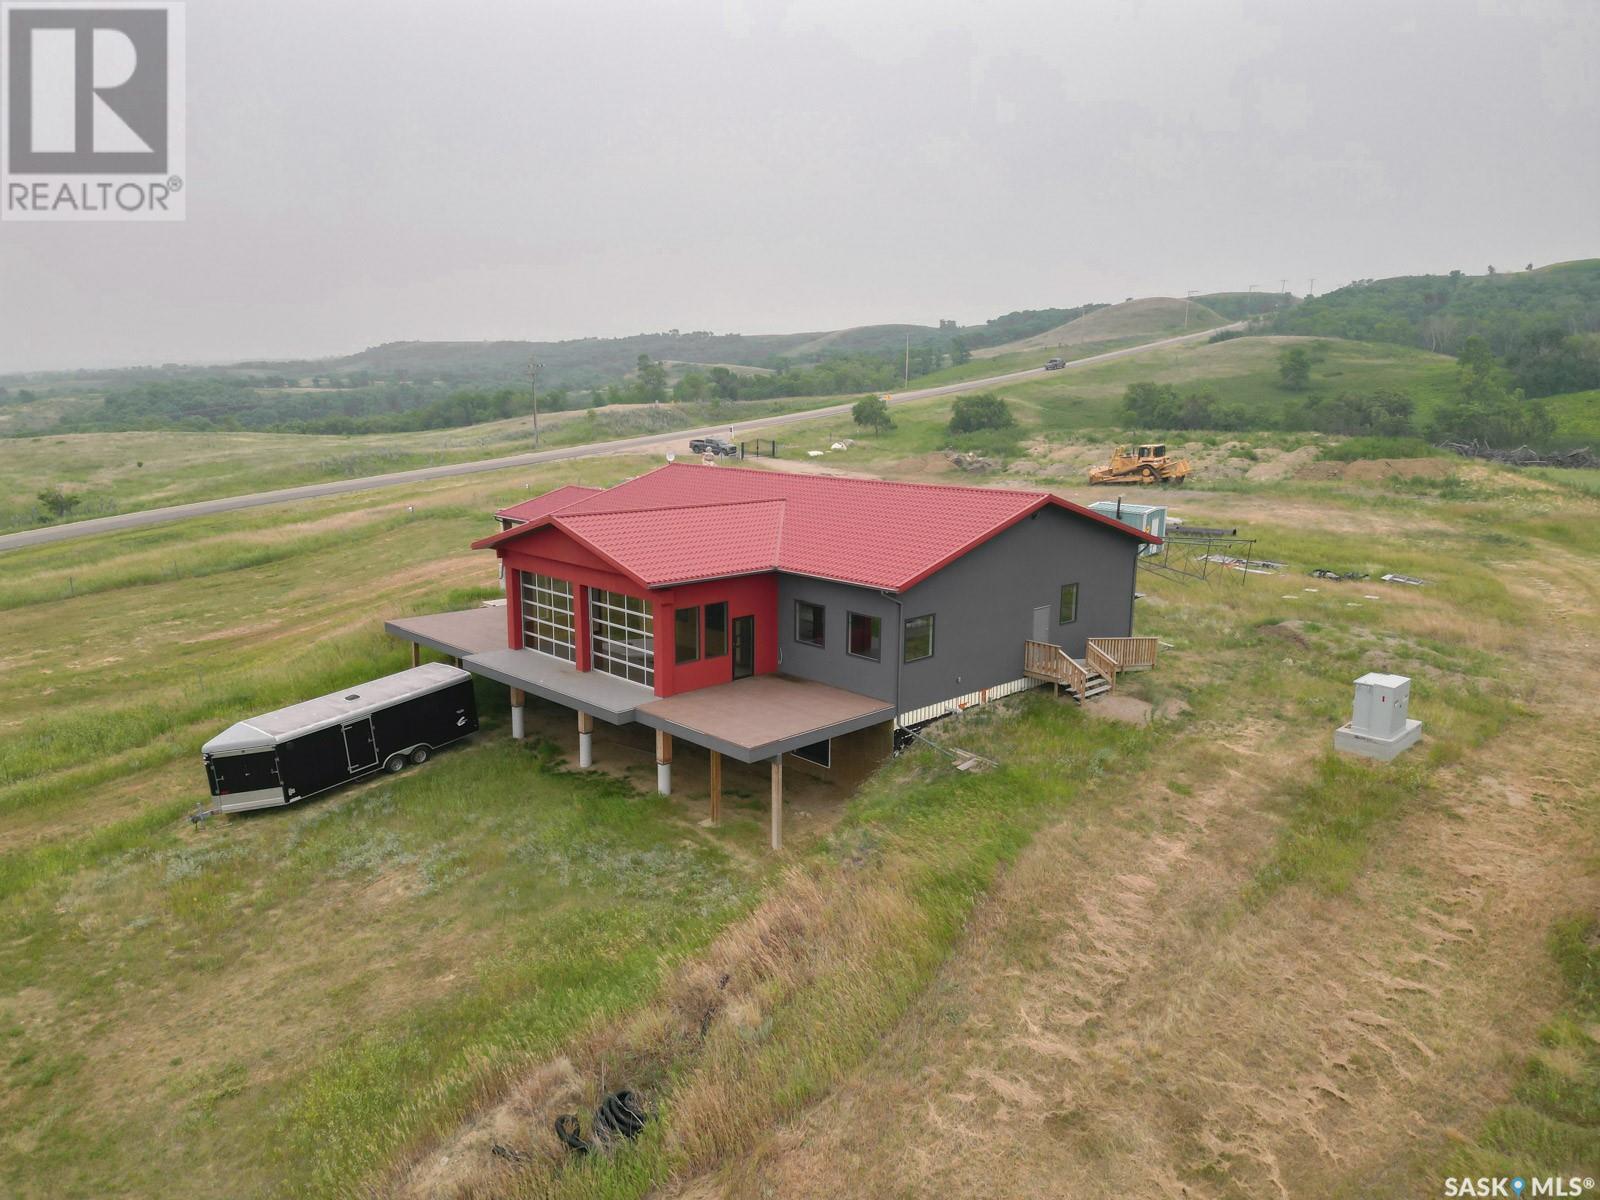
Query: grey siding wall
column 983, row 611
column 983, row 603
column 831, row 664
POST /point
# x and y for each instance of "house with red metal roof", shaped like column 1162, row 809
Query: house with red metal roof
column 766, row 615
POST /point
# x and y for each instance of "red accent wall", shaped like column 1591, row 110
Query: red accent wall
column 748, row 595
column 513, row 608
column 552, row 552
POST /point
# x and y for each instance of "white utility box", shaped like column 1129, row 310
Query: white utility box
column 1379, row 727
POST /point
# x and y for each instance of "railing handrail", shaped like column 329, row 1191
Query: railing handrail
column 1102, row 661
column 1131, row 653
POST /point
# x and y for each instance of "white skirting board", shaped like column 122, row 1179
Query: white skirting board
column 957, row 703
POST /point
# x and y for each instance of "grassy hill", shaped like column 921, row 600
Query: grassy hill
column 1134, row 320
column 1244, row 371
column 1512, row 310
column 404, row 386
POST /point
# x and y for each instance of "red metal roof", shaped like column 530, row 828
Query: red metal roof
column 539, row 506
column 684, row 522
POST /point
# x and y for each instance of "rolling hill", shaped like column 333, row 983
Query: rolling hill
column 1158, row 316
column 1514, row 311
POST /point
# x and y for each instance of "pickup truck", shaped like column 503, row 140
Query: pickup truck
column 1055, row 364
column 713, row 445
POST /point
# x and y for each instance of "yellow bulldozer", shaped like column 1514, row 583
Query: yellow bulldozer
column 1141, row 465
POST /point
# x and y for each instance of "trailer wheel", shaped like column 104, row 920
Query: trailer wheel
column 394, row 763
column 419, row 755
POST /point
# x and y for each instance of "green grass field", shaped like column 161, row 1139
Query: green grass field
column 124, row 472
column 296, row 1002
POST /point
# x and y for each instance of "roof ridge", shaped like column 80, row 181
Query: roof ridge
column 888, row 483
column 617, row 512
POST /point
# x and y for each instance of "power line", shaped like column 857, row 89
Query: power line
column 533, row 387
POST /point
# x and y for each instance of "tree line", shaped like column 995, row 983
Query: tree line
column 1485, row 405
column 1543, row 325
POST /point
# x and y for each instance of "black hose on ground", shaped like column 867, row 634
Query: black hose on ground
column 621, row 1114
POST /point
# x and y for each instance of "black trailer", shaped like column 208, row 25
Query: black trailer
column 307, row 748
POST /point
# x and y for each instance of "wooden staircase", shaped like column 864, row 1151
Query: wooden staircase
column 1096, row 673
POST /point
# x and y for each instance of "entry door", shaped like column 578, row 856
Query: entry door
column 359, row 745
column 744, row 647
column 1041, row 624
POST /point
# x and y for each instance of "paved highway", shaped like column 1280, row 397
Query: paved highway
column 335, row 487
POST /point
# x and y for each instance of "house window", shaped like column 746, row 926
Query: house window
column 866, row 636
column 686, row 635
column 1069, row 603
column 808, row 620
column 623, row 636
column 716, row 630
column 919, row 638
column 820, row 753
column 547, row 624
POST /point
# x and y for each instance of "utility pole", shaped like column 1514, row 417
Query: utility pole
column 908, row 359
column 1187, row 297
column 1311, row 288
column 533, row 387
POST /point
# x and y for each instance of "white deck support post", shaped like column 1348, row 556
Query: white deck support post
column 585, row 740
column 663, row 762
column 777, row 803
column 517, row 701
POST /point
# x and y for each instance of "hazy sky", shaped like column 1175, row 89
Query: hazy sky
column 362, row 171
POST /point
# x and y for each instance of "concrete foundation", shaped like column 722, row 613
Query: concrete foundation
column 1369, row 745
column 518, row 730
column 664, row 778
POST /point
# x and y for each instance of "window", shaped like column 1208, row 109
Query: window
column 686, row 635
column 622, row 636
column 866, row 636
column 1069, row 603
column 716, row 630
column 808, row 620
column 919, row 638
column 547, row 623
column 820, row 753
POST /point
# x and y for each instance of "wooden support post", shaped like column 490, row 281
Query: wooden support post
column 517, row 700
column 777, row 803
column 663, row 762
column 585, row 740
column 416, row 654
column 716, row 788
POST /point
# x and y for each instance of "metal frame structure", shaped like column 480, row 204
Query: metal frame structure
column 1202, row 554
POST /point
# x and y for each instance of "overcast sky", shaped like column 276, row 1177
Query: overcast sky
column 362, row 171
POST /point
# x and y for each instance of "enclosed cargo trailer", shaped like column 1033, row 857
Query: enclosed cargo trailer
column 288, row 755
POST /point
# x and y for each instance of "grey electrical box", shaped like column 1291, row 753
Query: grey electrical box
column 1379, row 726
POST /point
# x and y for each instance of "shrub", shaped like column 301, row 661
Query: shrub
column 983, row 411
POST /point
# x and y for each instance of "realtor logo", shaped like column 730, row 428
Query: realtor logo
column 92, row 126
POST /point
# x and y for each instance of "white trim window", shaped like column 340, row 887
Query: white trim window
column 622, row 636
column 547, row 624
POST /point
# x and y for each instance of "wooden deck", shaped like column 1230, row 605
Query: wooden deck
column 458, row 634
column 763, row 716
column 1103, row 660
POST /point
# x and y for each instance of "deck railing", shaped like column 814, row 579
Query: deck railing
column 1101, row 660
column 1045, row 660
column 1130, row 653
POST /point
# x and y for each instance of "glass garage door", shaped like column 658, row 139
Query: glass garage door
column 623, row 631
column 547, row 624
